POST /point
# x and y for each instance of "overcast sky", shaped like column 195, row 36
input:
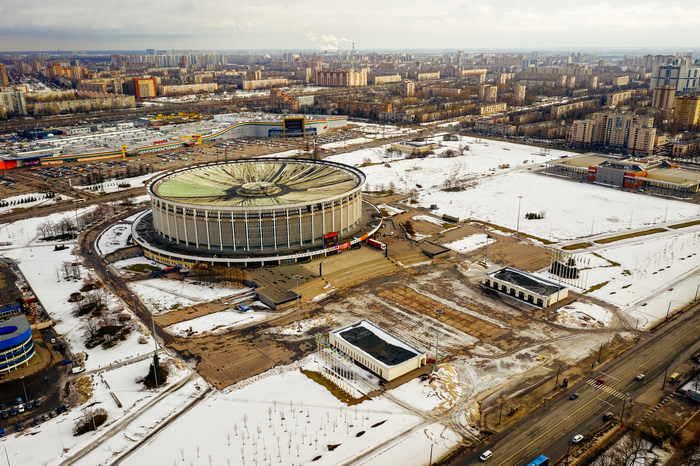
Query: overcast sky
column 371, row 24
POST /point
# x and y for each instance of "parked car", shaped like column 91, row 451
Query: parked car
column 19, row 427
column 60, row 409
column 65, row 362
column 37, row 403
column 20, row 408
column 4, row 415
column 573, row 396
column 607, row 416
column 45, row 417
column 37, row 421
column 53, row 413
column 2, row 433
column 13, row 411
column 577, row 438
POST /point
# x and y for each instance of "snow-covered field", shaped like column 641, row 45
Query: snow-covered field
column 113, row 238
column 287, row 418
column 164, row 295
column 469, row 243
column 496, row 195
column 216, row 323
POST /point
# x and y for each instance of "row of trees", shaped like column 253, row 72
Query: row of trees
column 26, row 200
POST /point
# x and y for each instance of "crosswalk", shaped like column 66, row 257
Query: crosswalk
column 606, row 389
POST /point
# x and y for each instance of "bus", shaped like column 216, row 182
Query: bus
column 540, row 461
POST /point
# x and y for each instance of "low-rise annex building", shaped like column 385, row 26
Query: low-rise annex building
column 375, row 349
column 524, row 286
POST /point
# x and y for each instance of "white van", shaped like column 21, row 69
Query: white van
column 485, row 455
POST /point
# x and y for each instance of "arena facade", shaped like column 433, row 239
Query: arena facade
column 254, row 210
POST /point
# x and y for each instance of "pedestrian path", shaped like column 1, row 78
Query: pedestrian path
column 606, row 389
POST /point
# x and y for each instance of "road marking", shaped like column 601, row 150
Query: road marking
column 658, row 354
column 606, row 402
column 606, row 389
column 611, row 376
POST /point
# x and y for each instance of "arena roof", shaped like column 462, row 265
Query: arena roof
column 258, row 182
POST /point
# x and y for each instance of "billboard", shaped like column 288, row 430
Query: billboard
column 294, row 127
column 330, row 239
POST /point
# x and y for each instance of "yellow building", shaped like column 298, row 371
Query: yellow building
column 687, row 113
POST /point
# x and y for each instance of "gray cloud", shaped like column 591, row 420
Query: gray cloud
column 223, row 24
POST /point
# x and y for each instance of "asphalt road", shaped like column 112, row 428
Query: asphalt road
column 549, row 430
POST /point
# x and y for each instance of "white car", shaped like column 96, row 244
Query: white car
column 485, row 455
column 77, row 370
column 577, row 438
column 640, row 377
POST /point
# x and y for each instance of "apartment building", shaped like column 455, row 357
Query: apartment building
column 664, row 98
column 629, row 132
column 687, row 114
column 681, row 73
column 281, row 102
column 341, row 78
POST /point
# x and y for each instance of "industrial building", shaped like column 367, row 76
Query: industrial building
column 525, row 287
column 377, row 350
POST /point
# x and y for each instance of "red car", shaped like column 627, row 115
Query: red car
column 599, row 382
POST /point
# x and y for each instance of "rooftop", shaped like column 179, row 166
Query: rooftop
column 524, row 280
column 377, row 343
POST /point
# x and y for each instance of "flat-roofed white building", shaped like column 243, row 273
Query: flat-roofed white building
column 375, row 349
column 526, row 287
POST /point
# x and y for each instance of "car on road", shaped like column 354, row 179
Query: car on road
column 485, row 455
column 600, row 382
column 577, row 438
column 639, row 377
column 573, row 396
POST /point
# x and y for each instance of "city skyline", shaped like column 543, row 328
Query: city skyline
column 454, row 24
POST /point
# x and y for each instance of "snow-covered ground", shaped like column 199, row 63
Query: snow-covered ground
column 287, row 418
column 217, row 322
column 112, row 186
column 496, row 195
column 164, row 295
column 41, row 199
column 114, row 238
column 469, row 243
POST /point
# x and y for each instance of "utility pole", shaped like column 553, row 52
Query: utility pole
column 500, row 413
column 663, row 386
column 517, row 225
column 556, row 382
column 622, row 414
column 600, row 352
column 26, row 399
column 669, row 309
column 437, row 338
column 297, row 277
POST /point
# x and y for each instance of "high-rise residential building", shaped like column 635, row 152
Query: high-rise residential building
column 3, row 76
column 408, row 88
column 519, row 94
column 488, row 93
column 341, row 78
column 12, row 98
column 687, row 114
column 630, row 132
column 678, row 72
column 664, row 98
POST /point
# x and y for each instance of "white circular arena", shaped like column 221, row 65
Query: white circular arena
column 265, row 207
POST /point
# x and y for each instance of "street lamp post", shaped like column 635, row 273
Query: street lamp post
column 437, row 338
column 517, row 225
column 26, row 400
column 669, row 309
column 297, row 277
column 696, row 292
